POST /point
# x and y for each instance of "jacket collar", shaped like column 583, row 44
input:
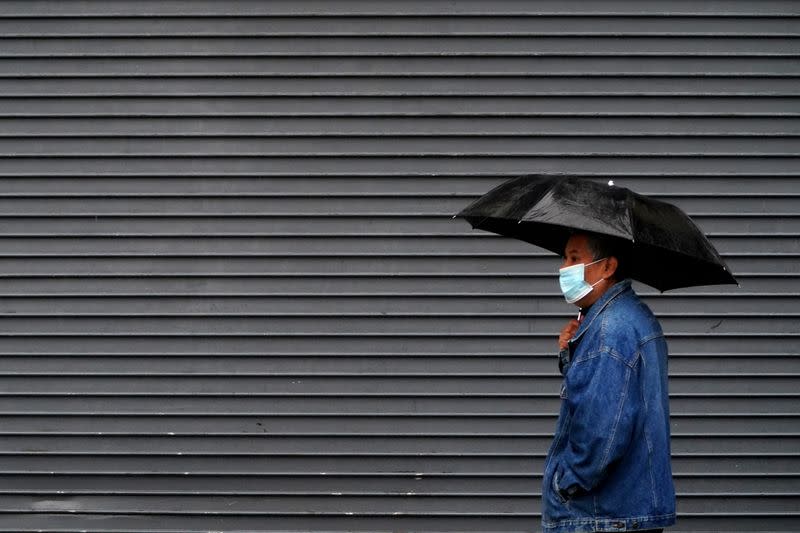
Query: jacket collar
column 601, row 303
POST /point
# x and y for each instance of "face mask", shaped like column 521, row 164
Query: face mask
column 573, row 285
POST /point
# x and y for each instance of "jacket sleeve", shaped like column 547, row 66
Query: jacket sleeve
column 563, row 361
column 603, row 398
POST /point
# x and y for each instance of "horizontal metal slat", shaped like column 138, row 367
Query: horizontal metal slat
column 334, row 445
column 381, row 184
column 134, row 523
column 173, row 129
column 269, row 106
column 330, row 485
column 313, row 424
column 207, row 473
column 499, row 146
column 208, row 8
column 755, row 364
column 226, row 363
column 764, row 464
column 312, row 205
column 389, row 46
column 598, row 24
column 234, row 86
column 355, row 404
column 297, row 383
column 284, row 503
column 420, row 305
column 737, row 483
column 310, row 324
column 392, row 483
column 54, row 226
column 397, row 493
column 412, row 503
column 127, row 523
column 365, row 384
column 297, row 207
column 334, row 245
column 439, row 343
column 74, row 404
column 410, row 66
column 397, row 164
column 356, row 424
column 469, row 363
column 327, row 503
column 255, row 264
column 370, row 185
column 362, row 445
column 237, row 472
column 192, row 301
column 387, row 287
column 367, row 364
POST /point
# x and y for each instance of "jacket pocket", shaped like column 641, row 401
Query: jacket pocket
column 555, row 487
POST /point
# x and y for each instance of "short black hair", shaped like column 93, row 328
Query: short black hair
column 602, row 247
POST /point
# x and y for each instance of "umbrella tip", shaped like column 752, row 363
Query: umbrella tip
column 610, row 183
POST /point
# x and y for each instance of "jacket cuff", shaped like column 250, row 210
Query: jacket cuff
column 568, row 493
column 563, row 360
column 568, row 485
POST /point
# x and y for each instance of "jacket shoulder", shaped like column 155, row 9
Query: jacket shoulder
column 627, row 324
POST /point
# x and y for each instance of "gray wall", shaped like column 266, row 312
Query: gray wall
column 233, row 297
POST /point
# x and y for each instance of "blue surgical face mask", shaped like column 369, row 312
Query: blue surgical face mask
column 572, row 282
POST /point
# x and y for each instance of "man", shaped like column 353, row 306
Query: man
column 608, row 468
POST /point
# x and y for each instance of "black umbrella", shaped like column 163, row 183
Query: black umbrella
column 665, row 249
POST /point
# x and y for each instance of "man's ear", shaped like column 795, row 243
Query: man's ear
column 610, row 268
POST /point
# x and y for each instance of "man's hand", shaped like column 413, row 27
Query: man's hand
column 567, row 333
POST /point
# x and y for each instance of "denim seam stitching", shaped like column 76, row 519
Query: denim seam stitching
column 613, row 436
column 651, row 337
column 581, row 521
column 621, row 358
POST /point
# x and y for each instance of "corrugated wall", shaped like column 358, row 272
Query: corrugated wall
column 233, row 298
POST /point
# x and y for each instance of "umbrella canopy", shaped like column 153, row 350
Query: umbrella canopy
column 665, row 249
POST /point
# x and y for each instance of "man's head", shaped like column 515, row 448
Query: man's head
column 604, row 260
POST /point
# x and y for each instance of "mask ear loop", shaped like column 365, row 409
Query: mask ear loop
column 601, row 279
column 592, row 263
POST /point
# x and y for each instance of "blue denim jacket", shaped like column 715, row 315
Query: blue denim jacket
column 608, row 468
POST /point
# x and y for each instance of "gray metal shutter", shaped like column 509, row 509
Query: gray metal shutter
column 233, row 298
